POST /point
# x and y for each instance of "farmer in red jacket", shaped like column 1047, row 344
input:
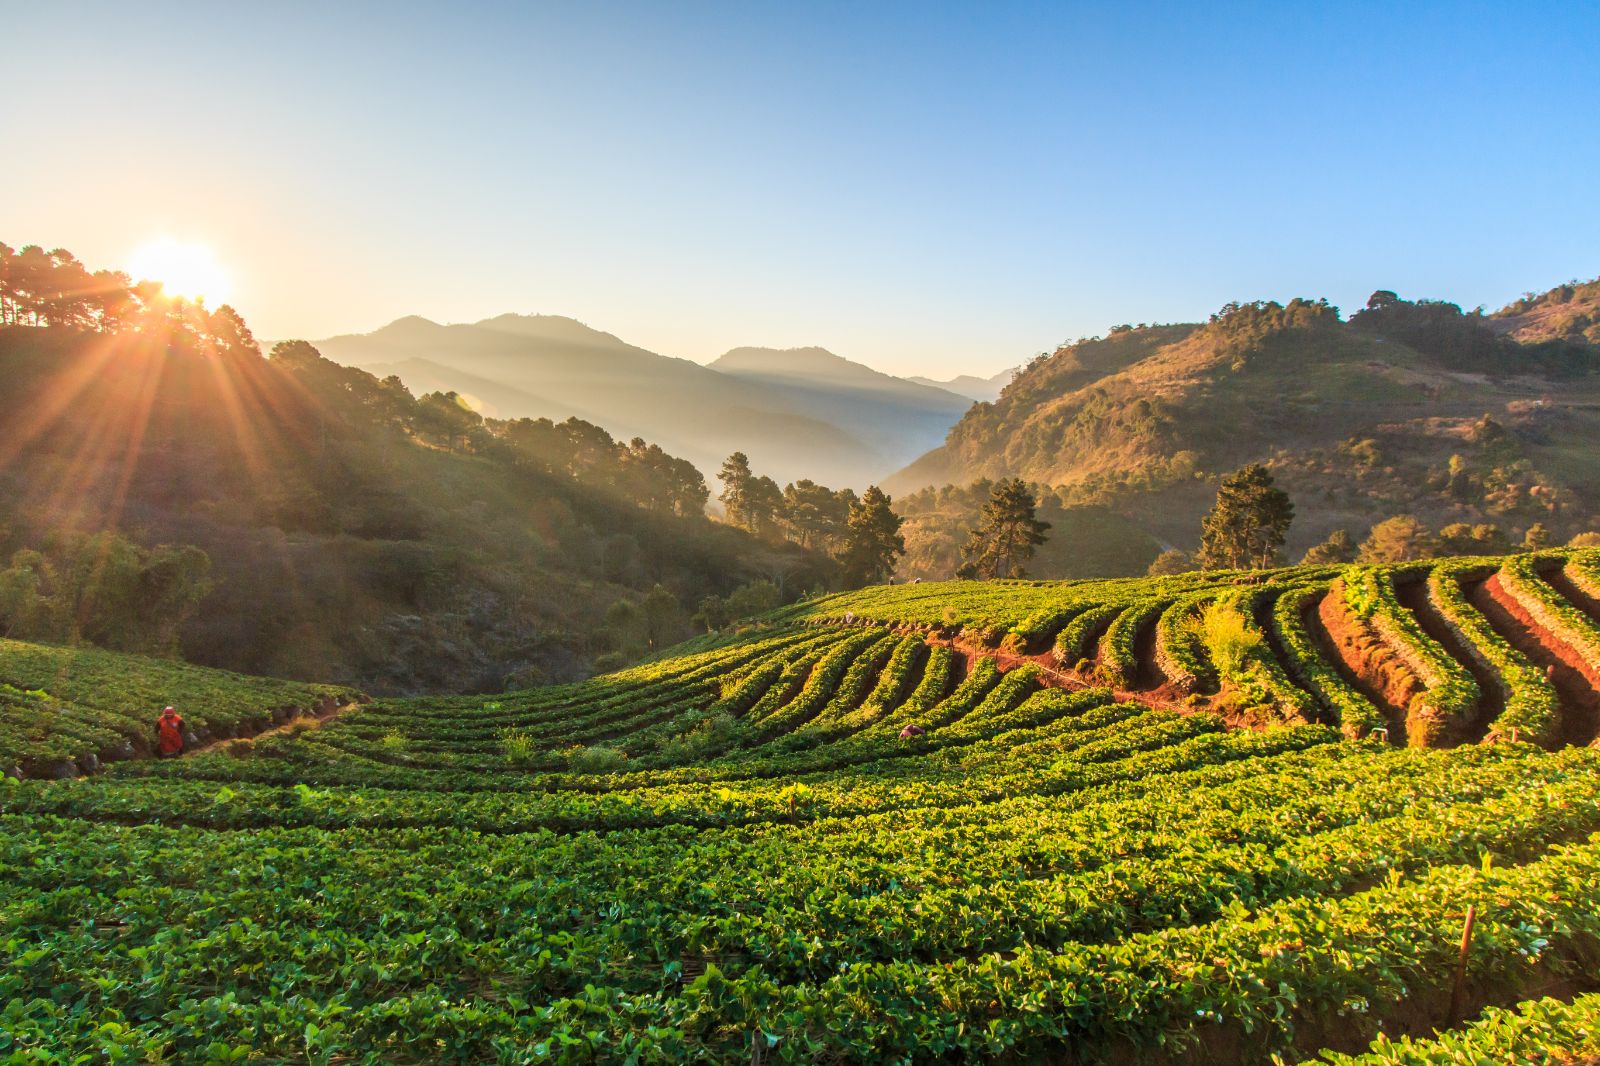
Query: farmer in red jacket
column 169, row 733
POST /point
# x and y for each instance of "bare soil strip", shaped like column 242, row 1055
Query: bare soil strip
column 1491, row 697
column 1149, row 675
column 326, row 712
column 1053, row 676
column 1574, row 679
column 1557, row 579
column 1365, row 661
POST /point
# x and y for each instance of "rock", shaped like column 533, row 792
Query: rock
column 189, row 739
column 60, row 771
column 123, row 749
column 89, row 763
column 281, row 715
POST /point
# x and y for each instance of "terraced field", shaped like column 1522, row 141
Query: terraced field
column 741, row 852
column 65, row 711
column 1428, row 654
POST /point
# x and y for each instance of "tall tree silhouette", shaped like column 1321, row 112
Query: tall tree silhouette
column 873, row 543
column 1007, row 533
column 1248, row 524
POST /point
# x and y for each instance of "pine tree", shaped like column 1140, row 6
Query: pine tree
column 1006, row 535
column 872, row 542
column 736, row 479
column 1249, row 523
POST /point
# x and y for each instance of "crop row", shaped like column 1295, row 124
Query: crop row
column 1450, row 695
column 1531, row 708
column 1261, row 969
column 1180, row 648
column 1535, row 1031
column 1310, row 668
column 1520, row 578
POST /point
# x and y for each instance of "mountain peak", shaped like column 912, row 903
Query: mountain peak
column 405, row 325
column 549, row 328
column 809, row 360
column 817, row 368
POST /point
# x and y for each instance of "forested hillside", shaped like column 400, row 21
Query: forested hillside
column 164, row 487
column 1403, row 408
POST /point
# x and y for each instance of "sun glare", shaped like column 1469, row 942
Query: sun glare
column 186, row 270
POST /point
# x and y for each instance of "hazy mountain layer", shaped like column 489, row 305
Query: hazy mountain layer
column 983, row 390
column 896, row 418
column 805, row 413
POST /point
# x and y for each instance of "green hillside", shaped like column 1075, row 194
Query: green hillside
column 65, row 711
column 739, row 852
column 351, row 532
column 1403, row 407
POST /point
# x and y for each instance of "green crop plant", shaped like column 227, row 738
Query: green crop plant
column 743, row 852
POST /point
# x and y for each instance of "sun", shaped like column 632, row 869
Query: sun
column 183, row 269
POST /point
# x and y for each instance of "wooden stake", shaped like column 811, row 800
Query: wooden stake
column 1461, row 966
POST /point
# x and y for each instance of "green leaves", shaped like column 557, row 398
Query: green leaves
column 1039, row 868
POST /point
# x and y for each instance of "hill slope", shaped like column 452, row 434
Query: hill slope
column 354, row 532
column 899, row 419
column 1358, row 419
column 835, row 422
column 740, row 839
column 1566, row 312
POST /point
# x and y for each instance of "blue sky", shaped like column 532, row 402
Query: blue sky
column 925, row 188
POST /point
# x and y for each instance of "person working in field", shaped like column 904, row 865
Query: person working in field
column 169, row 734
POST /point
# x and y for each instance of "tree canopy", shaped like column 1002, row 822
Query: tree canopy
column 1008, row 532
column 1249, row 523
column 873, row 544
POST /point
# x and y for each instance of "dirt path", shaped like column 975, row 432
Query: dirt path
column 1577, row 690
column 299, row 719
column 1413, row 595
column 325, row 712
column 1053, row 676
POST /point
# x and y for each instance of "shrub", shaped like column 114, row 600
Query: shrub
column 611, row 660
column 519, row 748
column 596, row 759
column 1229, row 636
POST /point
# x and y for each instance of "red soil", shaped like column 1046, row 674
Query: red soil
column 1491, row 697
column 1576, row 681
column 1377, row 672
column 1052, row 675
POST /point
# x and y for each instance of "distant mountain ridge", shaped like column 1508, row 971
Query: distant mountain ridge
column 893, row 416
column 982, row 390
column 800, row 413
